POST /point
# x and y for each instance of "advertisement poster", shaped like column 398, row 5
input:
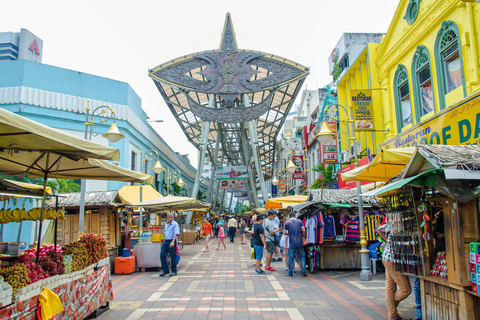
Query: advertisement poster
column 233, row 185
column 458, row 125
column 329, row 151
column 299, row 173
column 362, row 109
column 231, row 173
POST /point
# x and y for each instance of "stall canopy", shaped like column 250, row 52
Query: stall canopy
column 332, row 197
column 172, row 203
column 387, row 164
column 131, row 194
column 284, row 202
column 10, row 188
column 20, row 133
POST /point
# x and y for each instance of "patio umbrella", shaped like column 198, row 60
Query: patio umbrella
column 37, row 148
column 173, row 203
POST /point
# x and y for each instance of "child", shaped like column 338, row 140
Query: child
column 221, row 237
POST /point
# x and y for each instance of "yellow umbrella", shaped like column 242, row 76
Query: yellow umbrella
column 387, row 164
column 131, row 194
column 284, row 202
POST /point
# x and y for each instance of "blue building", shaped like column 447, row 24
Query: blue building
column 59, row 98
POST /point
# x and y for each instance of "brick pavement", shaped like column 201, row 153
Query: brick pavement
column 223, row 284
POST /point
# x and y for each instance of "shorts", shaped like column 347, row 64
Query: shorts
column 258, row 252
column 207, row 236
column 270, row 247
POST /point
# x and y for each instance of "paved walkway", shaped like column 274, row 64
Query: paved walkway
column 223, row 284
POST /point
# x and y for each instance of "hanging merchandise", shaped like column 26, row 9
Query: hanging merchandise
column 372, row 222
column 405, row 232
column 351, row 223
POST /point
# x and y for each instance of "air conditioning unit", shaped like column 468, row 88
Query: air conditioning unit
column 359, row 149
column 345, row 156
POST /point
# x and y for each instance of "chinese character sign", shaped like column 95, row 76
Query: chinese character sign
column 299, row 173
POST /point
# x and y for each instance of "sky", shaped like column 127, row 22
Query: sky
column 121, row 40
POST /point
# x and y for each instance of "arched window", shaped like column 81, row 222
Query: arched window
column 422, row 83
column 449, row 60
column 403, row 105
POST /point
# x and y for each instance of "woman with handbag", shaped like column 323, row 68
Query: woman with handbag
column 241, row 230
column 271, row 238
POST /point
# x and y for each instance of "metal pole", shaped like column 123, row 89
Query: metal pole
column 203, row 149
column 214, row 166
column 249, row 170
column 254, row 142
column 140, row 209
column 365, row 274
column 221, row 202
column 230, row 204
column 83, row 182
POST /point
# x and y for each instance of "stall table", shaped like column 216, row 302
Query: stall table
column 340, row 256
column 148, row 254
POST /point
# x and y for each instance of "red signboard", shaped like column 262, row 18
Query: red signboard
column 282, row 185
column 299, row 173
column 351, row 184
column 329, row 151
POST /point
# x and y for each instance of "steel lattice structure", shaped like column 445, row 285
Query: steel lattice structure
column 226, row 89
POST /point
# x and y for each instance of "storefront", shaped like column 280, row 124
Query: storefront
column 433, row 209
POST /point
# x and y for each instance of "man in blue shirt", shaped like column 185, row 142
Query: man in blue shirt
column 295, row 230
column 172, row 231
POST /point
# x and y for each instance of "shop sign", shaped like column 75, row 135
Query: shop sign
column 282, row 185
column 329, row 151
column 274, row 190
column 458, row 125
column 362, row 109
column 231, row 172
column 351, row 184
column 299, row 173
column 311, row 136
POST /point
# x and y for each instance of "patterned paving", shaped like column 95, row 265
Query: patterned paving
column 223, row 284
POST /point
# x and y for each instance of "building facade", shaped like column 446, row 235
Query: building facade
column 22, row 45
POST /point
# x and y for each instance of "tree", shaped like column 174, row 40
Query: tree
column 202, row 195
column 326, row 180
column 337, row 71
column 57, row 185
column 178, row 191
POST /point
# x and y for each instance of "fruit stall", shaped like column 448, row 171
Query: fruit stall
column 78, row 273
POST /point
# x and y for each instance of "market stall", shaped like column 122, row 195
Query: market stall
column 332, row 222
column 433, row 209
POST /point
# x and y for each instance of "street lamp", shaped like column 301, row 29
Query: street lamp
column 326, row 136
column 157, row 168
column 291, row 167
column 113, row 135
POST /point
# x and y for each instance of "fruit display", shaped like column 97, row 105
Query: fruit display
column 44, row 249
column 16, row 275
column 52, row 263
column 79, row 253
column 96, row 246
column 17, row 215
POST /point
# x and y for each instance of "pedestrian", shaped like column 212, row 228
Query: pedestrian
column 270, row 231
column 207, row 231
column 221, row 237
column 215, row 228
column 232, row 228
column 259, row 243
column 169, row 246
column 276, row 221
column 393, row 279
column 295, row 230
column 241, row 230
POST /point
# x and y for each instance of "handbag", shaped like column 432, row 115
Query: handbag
column 276, row 239
column 252, row 254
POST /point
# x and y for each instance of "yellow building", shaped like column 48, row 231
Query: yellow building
column 429, row 64
column 423, row 79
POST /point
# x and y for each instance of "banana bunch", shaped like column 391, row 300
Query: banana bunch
column 17, row 215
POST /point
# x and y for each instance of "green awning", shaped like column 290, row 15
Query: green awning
column 399, row 184
column 338, row 205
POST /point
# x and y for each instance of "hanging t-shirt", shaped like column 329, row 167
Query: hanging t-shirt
column 329, row 227
column 310, row 226
column 352, row 228
column 372, row 221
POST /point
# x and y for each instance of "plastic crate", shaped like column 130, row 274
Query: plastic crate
column 125, row 265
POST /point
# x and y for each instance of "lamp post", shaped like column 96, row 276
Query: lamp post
column 113, row 135
column 157, row 168
column 325, row 136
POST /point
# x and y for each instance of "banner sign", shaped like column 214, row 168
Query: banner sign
column 274, row 190
column 299, row 173
column 458, row 125
column 233, row 185
column 329, row 151
column 231, row 172
column 240, row 194
column 362, row 109
column 282, row 185
column 351, row 184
